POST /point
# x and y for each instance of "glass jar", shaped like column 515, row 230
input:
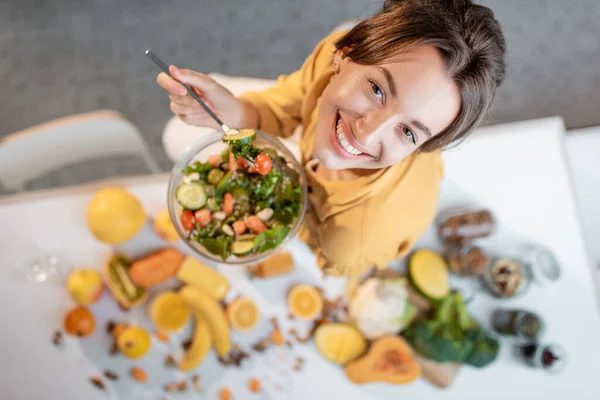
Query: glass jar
column 459, row 225
column 467, row 261
column 550, row 357
column 507, row 277
column 523, row 325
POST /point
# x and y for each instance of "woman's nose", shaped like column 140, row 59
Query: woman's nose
column 366, row 129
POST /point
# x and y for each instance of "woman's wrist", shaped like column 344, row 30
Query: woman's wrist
column 249, row 116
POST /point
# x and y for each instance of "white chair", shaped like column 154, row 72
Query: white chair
column 31, row 153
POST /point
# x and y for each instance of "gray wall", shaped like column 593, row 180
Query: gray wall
column 68, row 56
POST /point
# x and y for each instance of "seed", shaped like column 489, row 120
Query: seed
column 57, row 338
column 169, row 361
column 138, row 374
column 227, row 229
column 163, row 337
column 98, row 383
column 111, row 375
column 196, row 383
column 265, row 214
column 219, row 216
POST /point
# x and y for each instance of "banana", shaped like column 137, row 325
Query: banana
column 195, row 273
column 213, row 314
column 200, row 345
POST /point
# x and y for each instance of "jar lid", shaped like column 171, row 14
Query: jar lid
column 545, row 268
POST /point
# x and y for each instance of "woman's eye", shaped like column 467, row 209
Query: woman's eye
column 410, row 134
column 377, row 91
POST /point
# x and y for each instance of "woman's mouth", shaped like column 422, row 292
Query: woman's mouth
column 343, row 141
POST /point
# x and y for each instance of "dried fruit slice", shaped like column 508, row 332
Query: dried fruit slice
column 305, row 302
column 134, row 342
column 242, row 314
column 169, row 312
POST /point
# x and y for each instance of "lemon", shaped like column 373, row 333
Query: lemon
column 169, row 312
column 115, row 215
column 133, row 342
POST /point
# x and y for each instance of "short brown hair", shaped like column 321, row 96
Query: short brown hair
column 468, row 37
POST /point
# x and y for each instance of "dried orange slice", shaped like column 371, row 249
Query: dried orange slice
column 305, row 302
column 242, row 314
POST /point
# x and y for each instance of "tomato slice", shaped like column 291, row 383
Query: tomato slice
column 187, row 220
column 263, row 163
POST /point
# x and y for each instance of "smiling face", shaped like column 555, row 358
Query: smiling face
column 371, row 117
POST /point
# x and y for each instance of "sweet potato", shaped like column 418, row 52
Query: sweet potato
column 156, row 268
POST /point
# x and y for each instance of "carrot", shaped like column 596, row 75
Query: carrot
column 255, row 224
column 232, row 164
column 214, row 160
column 202, row 217
column 239, row 227
column 228, row 203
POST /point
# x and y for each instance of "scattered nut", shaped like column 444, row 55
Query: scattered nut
column 225, row 394
column 170, row 361
column 265, row 214
column 110, row 326
column 98, row 383
column 228, row 230
column 123, row 308
column 277, row 337
column 196, row 383
column 219, row 216
column 114, row 349
column 182, row 386
column 111, row 375
column 138, row 374
column 254, row 385
column 172, row 387
column 57, row 338
column 118, row 329
column 187, row 344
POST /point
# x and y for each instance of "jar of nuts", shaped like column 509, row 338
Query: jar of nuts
column 469, row 260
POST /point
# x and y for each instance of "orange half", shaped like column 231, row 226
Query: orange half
column 305, row 302
column 242, row 314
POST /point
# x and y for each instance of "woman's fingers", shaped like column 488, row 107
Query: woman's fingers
column 183, row 109
column 183, row 100
column 193, row 78
column 170, row 85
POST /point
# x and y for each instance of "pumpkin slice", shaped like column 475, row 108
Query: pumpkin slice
column 305, row 302
column 429, row 274
column 242, row 314
column 390, row 359
column 339, row 343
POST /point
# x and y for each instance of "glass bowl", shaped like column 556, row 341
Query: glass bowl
column 200, row 150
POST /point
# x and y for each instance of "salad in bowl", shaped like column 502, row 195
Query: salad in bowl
column 236, row 198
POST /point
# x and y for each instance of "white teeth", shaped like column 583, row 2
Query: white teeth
column 343, row 141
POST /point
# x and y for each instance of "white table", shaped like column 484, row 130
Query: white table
column 518, row 171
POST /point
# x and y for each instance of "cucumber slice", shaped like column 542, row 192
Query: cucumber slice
column 242, row 247
column 244, row 136
column 191, row 195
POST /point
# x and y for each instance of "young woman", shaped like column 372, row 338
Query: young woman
column 377, row 104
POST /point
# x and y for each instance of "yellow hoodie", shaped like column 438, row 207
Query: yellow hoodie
column 358, row 224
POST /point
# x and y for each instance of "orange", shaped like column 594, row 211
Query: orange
column 305, row 302
column 242, row 314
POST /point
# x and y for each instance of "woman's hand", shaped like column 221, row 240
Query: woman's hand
column 232, row 111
